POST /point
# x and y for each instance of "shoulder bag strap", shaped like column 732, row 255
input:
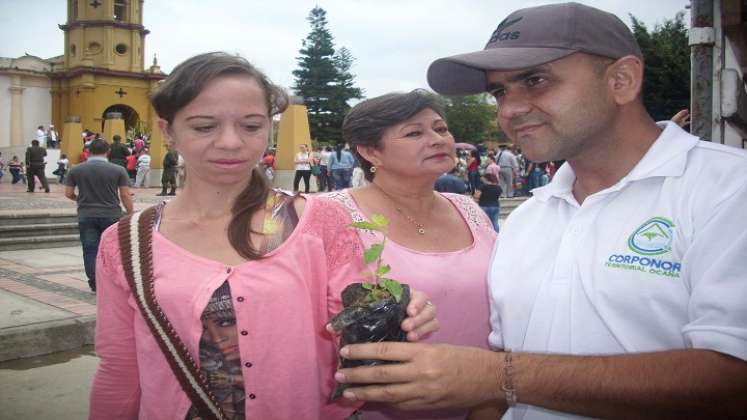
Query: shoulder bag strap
column 135, row 242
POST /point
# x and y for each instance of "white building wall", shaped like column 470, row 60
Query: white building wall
column 37, row 106
column 4, row 111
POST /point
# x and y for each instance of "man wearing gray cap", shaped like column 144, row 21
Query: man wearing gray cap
column 633, row 304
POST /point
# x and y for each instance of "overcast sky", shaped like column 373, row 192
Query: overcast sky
column 393, row 41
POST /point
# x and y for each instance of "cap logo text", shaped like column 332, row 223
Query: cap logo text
column 500, row 35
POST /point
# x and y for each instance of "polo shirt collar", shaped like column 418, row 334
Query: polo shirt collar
column 98, row 158
column 667, row 156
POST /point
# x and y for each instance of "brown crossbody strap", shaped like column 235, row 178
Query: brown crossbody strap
column 135, row 242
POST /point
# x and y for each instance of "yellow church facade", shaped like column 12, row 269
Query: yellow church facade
column 103, row 76
column 100, row 82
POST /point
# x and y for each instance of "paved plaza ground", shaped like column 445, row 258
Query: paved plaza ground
column 44, row 287
column 42, row 290
column 45, row 305
column 51, row 387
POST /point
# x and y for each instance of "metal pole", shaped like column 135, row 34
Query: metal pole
column 701, row 61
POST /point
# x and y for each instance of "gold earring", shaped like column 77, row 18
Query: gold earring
column 372, row 169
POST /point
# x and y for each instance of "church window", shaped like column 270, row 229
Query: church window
column 94, row 47
column 120, row 10
column 75, row 10
column 121, row 48
column 72, row 50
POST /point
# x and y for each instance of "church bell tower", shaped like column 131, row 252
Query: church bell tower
column 106, row 34
column 103, row 85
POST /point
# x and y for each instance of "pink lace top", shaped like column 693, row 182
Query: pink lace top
column 281, row 302
column 455, row 281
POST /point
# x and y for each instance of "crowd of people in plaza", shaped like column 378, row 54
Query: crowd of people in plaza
column 49, row 137
column 602, row 295
column 332, row 169
column 134, row 156
column 516, row 175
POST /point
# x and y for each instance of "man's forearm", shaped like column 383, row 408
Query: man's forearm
column 124, row 195
column 648, row 385
column 70, row 193
column 127, row 202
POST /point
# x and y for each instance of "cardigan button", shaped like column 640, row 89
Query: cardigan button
column 244, row 332
column 252, row 396
column 248, row 364
column 240, row 298
column 228, row 270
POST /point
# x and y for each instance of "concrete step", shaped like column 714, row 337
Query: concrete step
column 41, row 229
column 509, row 204
column 36, row 242
column 512, row 202
column 37, row 218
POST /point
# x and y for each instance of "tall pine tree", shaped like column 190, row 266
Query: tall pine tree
column 344, row 86
column 324, row 80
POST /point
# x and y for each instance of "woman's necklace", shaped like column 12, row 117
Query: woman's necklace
column 419, row 226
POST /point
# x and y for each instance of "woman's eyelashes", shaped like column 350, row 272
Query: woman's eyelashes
column 442, row 130
column 249, row 128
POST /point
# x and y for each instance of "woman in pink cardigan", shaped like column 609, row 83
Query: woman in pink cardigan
column 220, row 311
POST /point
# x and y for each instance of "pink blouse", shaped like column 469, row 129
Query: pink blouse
column 282, row 303
column 455, row 281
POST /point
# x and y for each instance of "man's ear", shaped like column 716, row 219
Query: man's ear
column 625, row 79
column 163, row 125
column 371, row 154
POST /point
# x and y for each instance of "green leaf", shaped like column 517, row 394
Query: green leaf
column 367, row 286
column 373, row 253
column 365, row 225
column 393, row 287
column 380, row 221
column 383, row 270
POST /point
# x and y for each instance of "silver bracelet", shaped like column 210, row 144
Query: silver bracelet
column 508, row 379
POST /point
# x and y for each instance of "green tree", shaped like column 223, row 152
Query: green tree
column 324, row 80
column 666, row 83
column 344, row 87
column 471, row 118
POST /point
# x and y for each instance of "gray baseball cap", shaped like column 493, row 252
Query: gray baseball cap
column 530, row 37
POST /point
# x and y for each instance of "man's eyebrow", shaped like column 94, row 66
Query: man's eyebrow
column 517, row 77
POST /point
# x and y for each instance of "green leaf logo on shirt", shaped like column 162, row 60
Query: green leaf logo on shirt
column 654, row 237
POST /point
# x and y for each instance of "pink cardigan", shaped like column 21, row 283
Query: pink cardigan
column 282, row 304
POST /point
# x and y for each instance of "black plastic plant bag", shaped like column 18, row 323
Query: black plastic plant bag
column 361, row 322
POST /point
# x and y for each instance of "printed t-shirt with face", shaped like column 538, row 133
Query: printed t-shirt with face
column 220, row 361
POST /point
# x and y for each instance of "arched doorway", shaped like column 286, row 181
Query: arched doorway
column 131, row 119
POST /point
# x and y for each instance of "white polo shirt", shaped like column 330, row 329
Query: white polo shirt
column 656, row 262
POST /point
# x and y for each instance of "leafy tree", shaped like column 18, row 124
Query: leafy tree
column 471, row 119
column 324, row 80
column 666, row 84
